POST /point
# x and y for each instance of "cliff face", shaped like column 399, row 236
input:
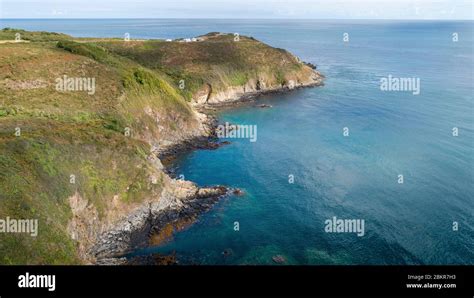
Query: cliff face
column 87, row 164
column 127, row 227
column 253, row 87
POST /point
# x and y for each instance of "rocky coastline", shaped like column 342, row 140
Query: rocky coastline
column 137, row 230
column 101, row 164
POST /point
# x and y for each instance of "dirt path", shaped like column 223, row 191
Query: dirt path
column 13, row 41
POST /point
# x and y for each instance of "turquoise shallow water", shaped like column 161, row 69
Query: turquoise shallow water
column 352, row 177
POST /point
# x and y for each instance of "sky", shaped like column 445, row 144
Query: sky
column 235, row 9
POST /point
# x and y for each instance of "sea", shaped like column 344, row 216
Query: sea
column 388, row 141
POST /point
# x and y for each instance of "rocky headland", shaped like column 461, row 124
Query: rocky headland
column 94, row 168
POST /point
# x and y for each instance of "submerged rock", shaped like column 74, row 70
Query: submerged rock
column 153, row 259
column 238, row 192
column 279, row 259
column 227, row 252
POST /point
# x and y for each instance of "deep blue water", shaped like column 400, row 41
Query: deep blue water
column 352, row 177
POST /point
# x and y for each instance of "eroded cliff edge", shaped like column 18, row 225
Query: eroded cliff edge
column 88, row 165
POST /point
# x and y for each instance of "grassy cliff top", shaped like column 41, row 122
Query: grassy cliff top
column 221, row 60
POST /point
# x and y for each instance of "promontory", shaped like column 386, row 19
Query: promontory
column 85, row 124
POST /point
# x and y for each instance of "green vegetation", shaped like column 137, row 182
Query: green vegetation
column 217, row 60
column 10, row 34
column 89, row 50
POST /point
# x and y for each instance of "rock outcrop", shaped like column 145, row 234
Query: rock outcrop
column 252, row 89
column 126, row 228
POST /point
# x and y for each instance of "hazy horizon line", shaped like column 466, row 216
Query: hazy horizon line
column 295, row 19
